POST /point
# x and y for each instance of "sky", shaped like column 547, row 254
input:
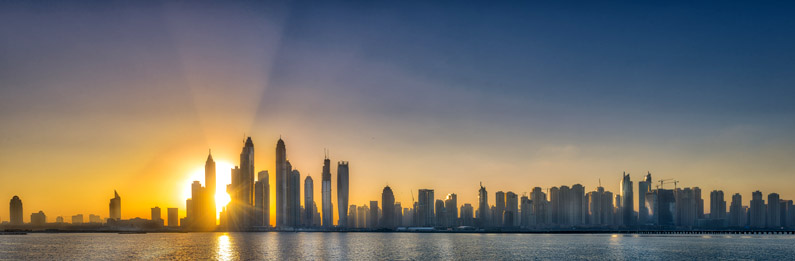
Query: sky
column 130, row 96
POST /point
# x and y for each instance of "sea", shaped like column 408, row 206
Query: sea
column 392, row 246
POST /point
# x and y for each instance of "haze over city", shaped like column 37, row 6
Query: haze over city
column 101, row 98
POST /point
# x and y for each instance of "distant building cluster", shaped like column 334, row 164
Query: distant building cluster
column 649, row 205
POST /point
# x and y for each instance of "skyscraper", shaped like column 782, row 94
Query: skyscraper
column 425, row 211
column 643, row 188
column 717, row 205
column 499, row 199
column 156, row 214
column 627, row 202
column 467, row 213
column 352, row 216
column 577, row 205
column 38, row 219
column 510, row 215
column 246, row 188
column 736, row 213
column 294, row 198
column 440, row 220
column 757, row 215
column 209, row 197
column 388, row 205
column 328, row 215
column 173, row 217
column 309, row 201
column 262, row 202
column 281, row 184
column 539, row 201
column 451, row 209
column 342, row 193
column 483, row 207
column 15, row 209
column 196, row 215
column 115, row 207
column 372, row 217
column 773, row 210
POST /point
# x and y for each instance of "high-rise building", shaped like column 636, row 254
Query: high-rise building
column 156, row 214
column 499, row 199
column 425, row 211
column 94, row 219
column 736, row 213
column 209, row 192
column 539, row 201
column 451, row 210
column 309, row 201
column 483, row 207
column 352, row 216
column 717, row 205
column 686, row 207
column 577, row 205
column 15, row 209
column 38, row 219
column 388, row 205
column 262, row 199
column 281, row 184
column 699, row 202
column 554, row 206
column 115, row 207
column 600, row 207
column 59, row 219
column 467, row 217
column 246, row 188
column 441, row 219
column 294, row 198
column 773, row 210
column 627, row 204
column 372, row 217
column 328, row 210
column 361, row 219
column 398, row 215
column 342, row 193
column 758, row 210
column 173, row 217
column 644, row 187
column 196, row 216
column 510, row 216
column 526, row 211
column 77, row 219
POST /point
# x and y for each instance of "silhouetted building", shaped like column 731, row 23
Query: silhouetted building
column 38, row 219
column 483, row 207
column 686, row 207
column 342, row 193
column 208, row 215
column 115, row 207
column 539, row 201
column 94, row 219
column 662, row 207
column 499, row 199
column 398, row 215
column 577, row 205
column 281, row 184
column 627, row 205
column 773, row 211
column 309, row 201
column 361, row 219
column 59, row 219
column 173, row 217
column 294, row 198
column 467, row 215
column 699, row 202
column 757, row 210
column 156, row 215
column 644, row 187
column 510, row 215
column 441, row 219
column 388, row 212
column 600, row 207
column 352, row 216
column 328, row 215
column 262, row 200
column 425, row 205
column 451, row 210
column 736, row 211
column 15, row 209
column 77, row 219
column 372, row 217
column 717, row 206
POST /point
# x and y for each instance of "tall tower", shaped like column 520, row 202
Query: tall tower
column 499, row 200
column 388, row 212
column 328, row 215
column 209, row 182
column 627, row 202
column 342, row 192
column 309, row 201
column 262, row 200
column 483, row 206
column 643, row 188
column 15, row 209
column 294, row 197
column 281, row 184
column 247, row 183
column 115, row 207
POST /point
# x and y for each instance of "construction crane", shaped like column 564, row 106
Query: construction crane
column 667, row 181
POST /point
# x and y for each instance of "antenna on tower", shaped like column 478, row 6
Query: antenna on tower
column 600, row 182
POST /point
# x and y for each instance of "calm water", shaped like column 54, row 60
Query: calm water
column 391, row 246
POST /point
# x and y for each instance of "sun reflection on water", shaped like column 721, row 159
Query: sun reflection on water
column 224, row 251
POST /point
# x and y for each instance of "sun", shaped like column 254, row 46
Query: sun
column 223, row 177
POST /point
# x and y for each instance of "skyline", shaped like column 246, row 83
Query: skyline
column 541, row 94
column 242, row 214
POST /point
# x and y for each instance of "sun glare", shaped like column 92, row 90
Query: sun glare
column 223, row 177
